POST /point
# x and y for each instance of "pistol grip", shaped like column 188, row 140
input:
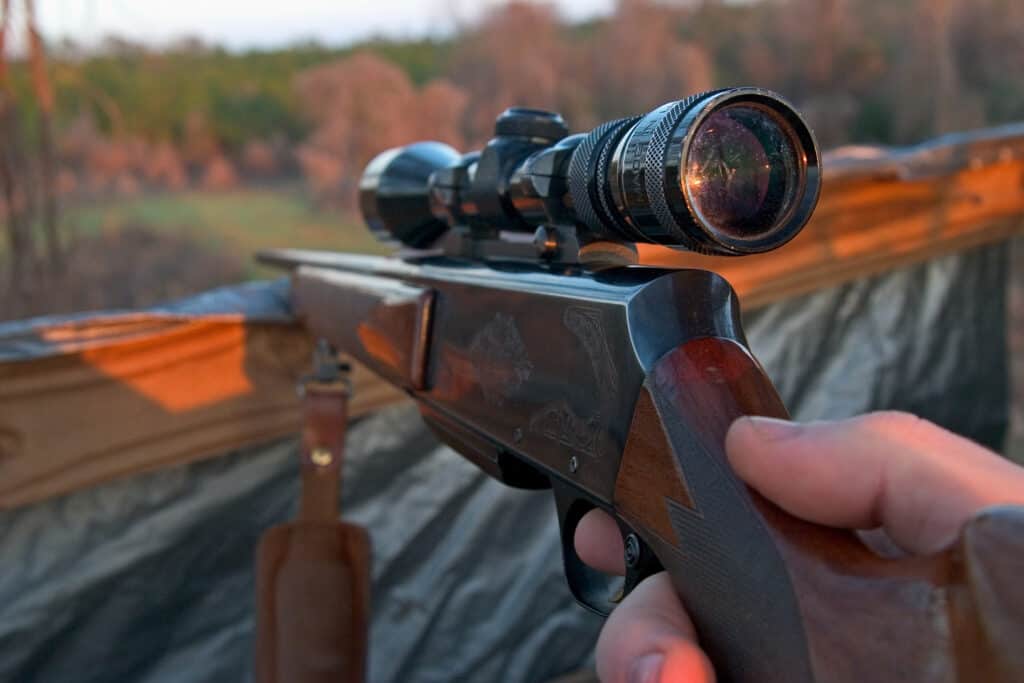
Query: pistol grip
column 774, row 598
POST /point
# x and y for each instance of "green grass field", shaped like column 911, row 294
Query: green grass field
column 243, row 221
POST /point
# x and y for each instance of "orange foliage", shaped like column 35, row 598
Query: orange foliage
column 164, row 167
column 67, row 182
column 899, row 71
column 324, row 170
column 361, row 105
column 260, row 158
column 441, row 105
column 219, row 174
column 126, row 184
column 639, row 61
column 200, row 146
column 515, row 57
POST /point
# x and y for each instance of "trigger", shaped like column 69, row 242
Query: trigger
column 640, row 561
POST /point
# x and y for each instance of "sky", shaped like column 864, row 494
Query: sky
column 241, row 24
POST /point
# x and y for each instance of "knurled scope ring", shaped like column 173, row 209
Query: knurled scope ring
column 604, row 189
column 581, row 176
column 656, row 178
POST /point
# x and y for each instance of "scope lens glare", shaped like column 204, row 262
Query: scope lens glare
column 743, row 173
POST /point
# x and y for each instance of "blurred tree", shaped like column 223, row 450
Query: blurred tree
column 43, row 91
column 986, row 39
column 887, row 71
column 358, row 106
column 260, row 158
column 361, row 105
column 163, row 167
column 515, row 56
column 640, row 60
column 219, row 175
column 442, row 105
column 199, row 145
column 21, row 251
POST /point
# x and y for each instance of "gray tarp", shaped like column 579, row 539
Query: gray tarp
column 151, row 578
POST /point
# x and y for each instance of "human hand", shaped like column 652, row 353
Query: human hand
column 891, row 471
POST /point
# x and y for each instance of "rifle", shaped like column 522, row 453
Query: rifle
column 518, row 320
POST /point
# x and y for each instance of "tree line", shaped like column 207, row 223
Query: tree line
column 125, row 118
column 864, row 71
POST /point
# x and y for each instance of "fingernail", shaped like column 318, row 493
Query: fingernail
column 773, row 429
column 646, row 669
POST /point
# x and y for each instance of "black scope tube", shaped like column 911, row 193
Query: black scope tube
column 734, row 171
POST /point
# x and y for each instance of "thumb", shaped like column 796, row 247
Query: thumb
column 649, row 639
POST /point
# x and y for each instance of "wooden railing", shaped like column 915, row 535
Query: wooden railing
column 106, row 396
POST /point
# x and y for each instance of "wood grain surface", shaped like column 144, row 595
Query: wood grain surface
column 111, row 396
column 773, row 597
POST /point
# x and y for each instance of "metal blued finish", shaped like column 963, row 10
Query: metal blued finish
column 531, row 123
column 488, row 346
column 649, row 165
column 393, row 320
column 585, row 180
column 629, row 168
column 623, row 181
column 394, row 193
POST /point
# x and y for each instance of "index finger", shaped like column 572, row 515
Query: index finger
column 916, row 480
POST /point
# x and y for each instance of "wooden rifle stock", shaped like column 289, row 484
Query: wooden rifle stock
column 775, row 598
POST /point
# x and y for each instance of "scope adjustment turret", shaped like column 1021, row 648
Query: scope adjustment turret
column 541, row 125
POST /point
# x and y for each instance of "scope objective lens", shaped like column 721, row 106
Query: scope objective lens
column 726, row 172
column 742, row 172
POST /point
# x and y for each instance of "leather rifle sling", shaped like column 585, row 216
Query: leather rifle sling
column 313, row 574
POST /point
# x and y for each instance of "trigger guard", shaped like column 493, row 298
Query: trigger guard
column 591, row 588
column 594, row 589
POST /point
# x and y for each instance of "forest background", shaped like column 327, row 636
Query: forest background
column 130, row 174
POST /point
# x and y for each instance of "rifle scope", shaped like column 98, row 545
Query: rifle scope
column 729, row 172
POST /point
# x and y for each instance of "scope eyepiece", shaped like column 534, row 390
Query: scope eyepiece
column 734, row 171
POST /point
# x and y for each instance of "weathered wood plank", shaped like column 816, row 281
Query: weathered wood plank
column 114, row 396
